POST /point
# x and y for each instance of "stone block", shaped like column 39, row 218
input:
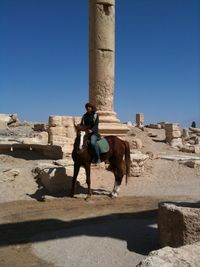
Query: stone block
column 188, row 149
column 40, row 127
column 173, row 134
column 21, row 147
column 54, row 179
column 176, row 142
column 49, row 151
column 59, row 130
column 139, row 119
column 55, row 121
column 172, row 127
column 193, row 163
column 154, row 126
column 67, row 121
column 60, row 140
column 197, row 149
column 106, row 2
column 185, row 256
column 178, row 223
column 71, row 132
column 137, row 164
column 135, row 143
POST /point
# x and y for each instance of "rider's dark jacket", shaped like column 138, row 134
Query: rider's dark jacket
column 92, row 120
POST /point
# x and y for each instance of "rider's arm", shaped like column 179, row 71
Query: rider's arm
column 95, row 128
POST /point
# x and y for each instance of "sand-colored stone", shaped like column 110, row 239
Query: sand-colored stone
column 102, row 65
column 178, row 223
column 184, row 256
column 139, row 119
column 137, row 166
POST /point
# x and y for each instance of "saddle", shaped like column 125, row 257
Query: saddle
column 103, row 145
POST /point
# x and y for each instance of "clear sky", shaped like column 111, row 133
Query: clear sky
column 44, row 59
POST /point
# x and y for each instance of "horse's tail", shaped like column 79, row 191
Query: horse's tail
column 127, row 159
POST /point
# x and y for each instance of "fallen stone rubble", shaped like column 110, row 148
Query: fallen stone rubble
column 184, row 256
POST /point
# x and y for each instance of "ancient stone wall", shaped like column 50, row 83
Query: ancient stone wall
column 61, row 132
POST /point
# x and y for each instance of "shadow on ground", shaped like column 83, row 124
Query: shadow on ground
column 137, row 229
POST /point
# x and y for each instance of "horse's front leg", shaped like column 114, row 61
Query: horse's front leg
column 76, row 171
column 88, row 181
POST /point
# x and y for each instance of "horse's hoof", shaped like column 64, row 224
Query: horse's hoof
column 88, row 198
column 113, row 195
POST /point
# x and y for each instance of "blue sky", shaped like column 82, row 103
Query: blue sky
column 44, row 59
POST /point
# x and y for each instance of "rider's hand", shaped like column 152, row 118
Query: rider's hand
column 90, row 131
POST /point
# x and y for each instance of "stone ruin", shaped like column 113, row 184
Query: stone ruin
column 173, row 134
column 61, row 132
column 8, row 120
column 186, row 139
column 185, row 256
column 178, row 223
column 179, row 236
column 191, row 140
column 137, row 166
column 139, row 119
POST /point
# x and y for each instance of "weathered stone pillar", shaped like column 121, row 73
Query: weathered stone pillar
column 102, row 63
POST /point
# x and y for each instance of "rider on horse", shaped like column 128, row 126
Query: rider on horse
column 91, row 119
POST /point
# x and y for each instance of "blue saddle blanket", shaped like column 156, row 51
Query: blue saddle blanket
column 103, row 145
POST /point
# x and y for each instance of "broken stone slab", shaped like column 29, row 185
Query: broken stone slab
column 8, row 174
column 137, row 164
column 7, row 117
column 185, row 256
column 193, row 163
column 178, row 157
column 50, row 151
column 56, row 179
column 154, row 126
column 195, row 130
column 175, row 142
column 41, row 139
column 21, row 147
column 178, row 223
column 191, row 149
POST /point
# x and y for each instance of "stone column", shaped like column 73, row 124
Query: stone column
column 102, row 61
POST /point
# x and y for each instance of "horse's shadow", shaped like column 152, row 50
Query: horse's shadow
column 65, row 190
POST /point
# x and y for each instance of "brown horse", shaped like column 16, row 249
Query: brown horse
column 118, row 151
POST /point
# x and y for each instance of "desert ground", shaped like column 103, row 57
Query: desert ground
column 56, row 230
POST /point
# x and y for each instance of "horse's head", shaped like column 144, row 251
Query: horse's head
column 82, row 133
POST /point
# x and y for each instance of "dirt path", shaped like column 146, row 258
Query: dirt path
column 38, row 233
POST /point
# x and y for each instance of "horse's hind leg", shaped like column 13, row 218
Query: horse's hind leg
column 76, row 171
column 118, row 180
column 88, row 181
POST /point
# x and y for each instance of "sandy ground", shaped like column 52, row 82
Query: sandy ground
column 62, row 231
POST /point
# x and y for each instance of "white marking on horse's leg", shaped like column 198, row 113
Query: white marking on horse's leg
column 116, row 189
column 82, row 133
